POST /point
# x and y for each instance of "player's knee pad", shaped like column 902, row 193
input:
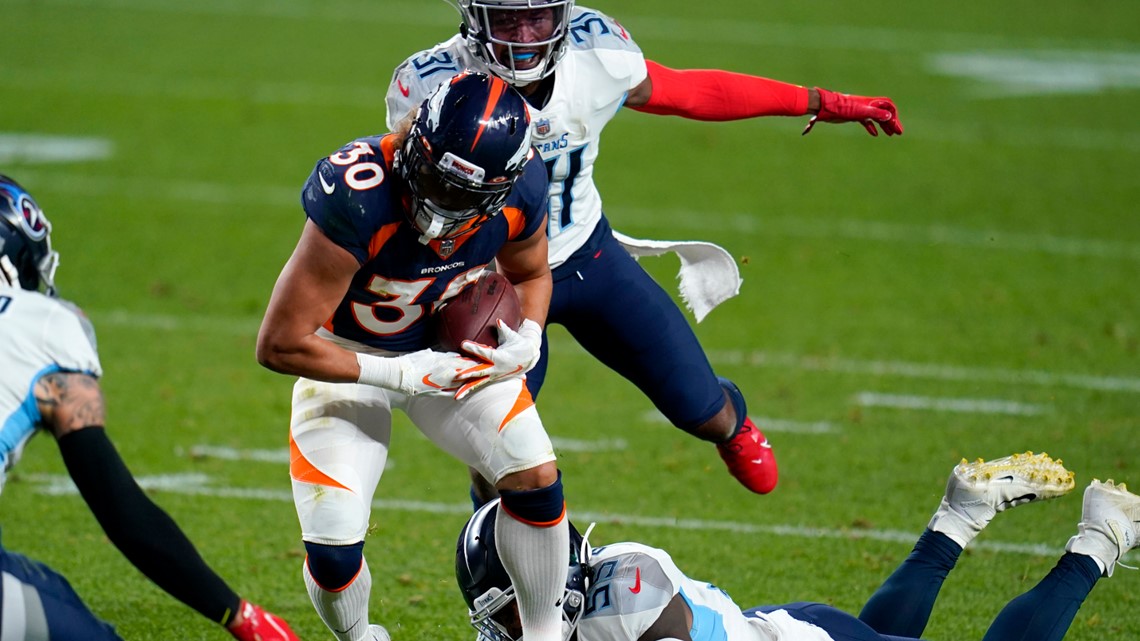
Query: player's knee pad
column 543, row 507
column 334, row 566
column 738, row 404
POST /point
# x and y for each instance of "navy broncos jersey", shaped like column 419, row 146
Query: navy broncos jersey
column 357, row 201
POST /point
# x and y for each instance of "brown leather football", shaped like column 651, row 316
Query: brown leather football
column 474, row 313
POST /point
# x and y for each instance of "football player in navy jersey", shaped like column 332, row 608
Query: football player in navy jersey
column 632, row 592
column 577, row 67
column 396, row 225
column 49, row 381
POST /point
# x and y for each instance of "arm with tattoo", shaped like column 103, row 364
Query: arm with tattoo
column 71, row 408
column 69, row 401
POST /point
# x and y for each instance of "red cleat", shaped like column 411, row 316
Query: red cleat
column 750, row 459
column 255, row 624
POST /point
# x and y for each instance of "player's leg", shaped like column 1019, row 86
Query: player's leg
column 804, row 620
column 619, row 314
column 497, row 431
column 1109, row 527
column 37, row 604
column 339, row 439
column 975, row 493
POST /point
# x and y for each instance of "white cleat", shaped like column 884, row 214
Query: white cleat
column 979, row 490
column 1110, row 524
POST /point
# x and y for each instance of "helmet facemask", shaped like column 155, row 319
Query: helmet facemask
column 449, row 197
column 530, row 34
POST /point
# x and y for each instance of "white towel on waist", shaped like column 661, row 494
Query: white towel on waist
column 708, row 275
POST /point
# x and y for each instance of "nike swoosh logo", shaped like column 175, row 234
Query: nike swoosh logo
column 329, row 189
column 404, row 90
column 346, row 630
column 637, row 582
column 766, row 444
column 1017, row 500
column 430, row 383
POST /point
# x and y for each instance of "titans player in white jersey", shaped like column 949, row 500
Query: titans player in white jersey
column 49, row 371
column 577, row 67
column 633, row 592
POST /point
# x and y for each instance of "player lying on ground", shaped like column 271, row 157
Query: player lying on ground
column 49, row 371
column 577, row 67
column 398, row 224
column 631, row 592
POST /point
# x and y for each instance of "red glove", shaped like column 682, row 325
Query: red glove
column 254, row 624
column 841, row 107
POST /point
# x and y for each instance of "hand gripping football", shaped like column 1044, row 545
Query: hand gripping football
column 474, row 313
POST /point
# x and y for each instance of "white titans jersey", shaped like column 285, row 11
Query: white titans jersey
column 633, row 583
column 602, row 63
column 38, row 335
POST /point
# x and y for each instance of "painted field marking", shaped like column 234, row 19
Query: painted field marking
column 959, row 405
column 744, row 223
column 1029, row 72
column 744, row 358
column 926, row 371
column 741, row 223
column 199, row 485
column 703, row 30
column 281, row 455
column 38, row 149
column 766, row 424
column 738, row 222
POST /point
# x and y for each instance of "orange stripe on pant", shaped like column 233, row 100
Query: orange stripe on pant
column 524, row 401
column 300, row 469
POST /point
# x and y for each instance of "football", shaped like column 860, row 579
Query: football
column 474, row 313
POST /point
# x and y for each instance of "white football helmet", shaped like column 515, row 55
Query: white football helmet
column 532, row 33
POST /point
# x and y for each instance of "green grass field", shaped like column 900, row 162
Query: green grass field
column 969, row 289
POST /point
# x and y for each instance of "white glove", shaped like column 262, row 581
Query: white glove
column 416, row 373
column 516, row 355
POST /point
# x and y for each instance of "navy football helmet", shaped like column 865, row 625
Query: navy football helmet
column 487, row 588
column 26, row 257
column 466, row 148
column 532, row 32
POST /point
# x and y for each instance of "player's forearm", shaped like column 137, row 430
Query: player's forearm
column 145, row 534
column 310, row 357
column 716, row 95
column 534, row 297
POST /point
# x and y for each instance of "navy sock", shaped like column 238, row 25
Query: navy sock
column 738, row 404
column 1045, row 612
column 902, row 605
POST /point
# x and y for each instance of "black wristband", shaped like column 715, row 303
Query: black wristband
column 142, row 531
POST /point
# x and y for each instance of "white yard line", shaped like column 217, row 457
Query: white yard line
column 745, row 358
column 265, row 199
column 767, row 424
column 704, row 30
column 942, row 404
column 36, row 149
column 927, row 371
column 199, row 485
